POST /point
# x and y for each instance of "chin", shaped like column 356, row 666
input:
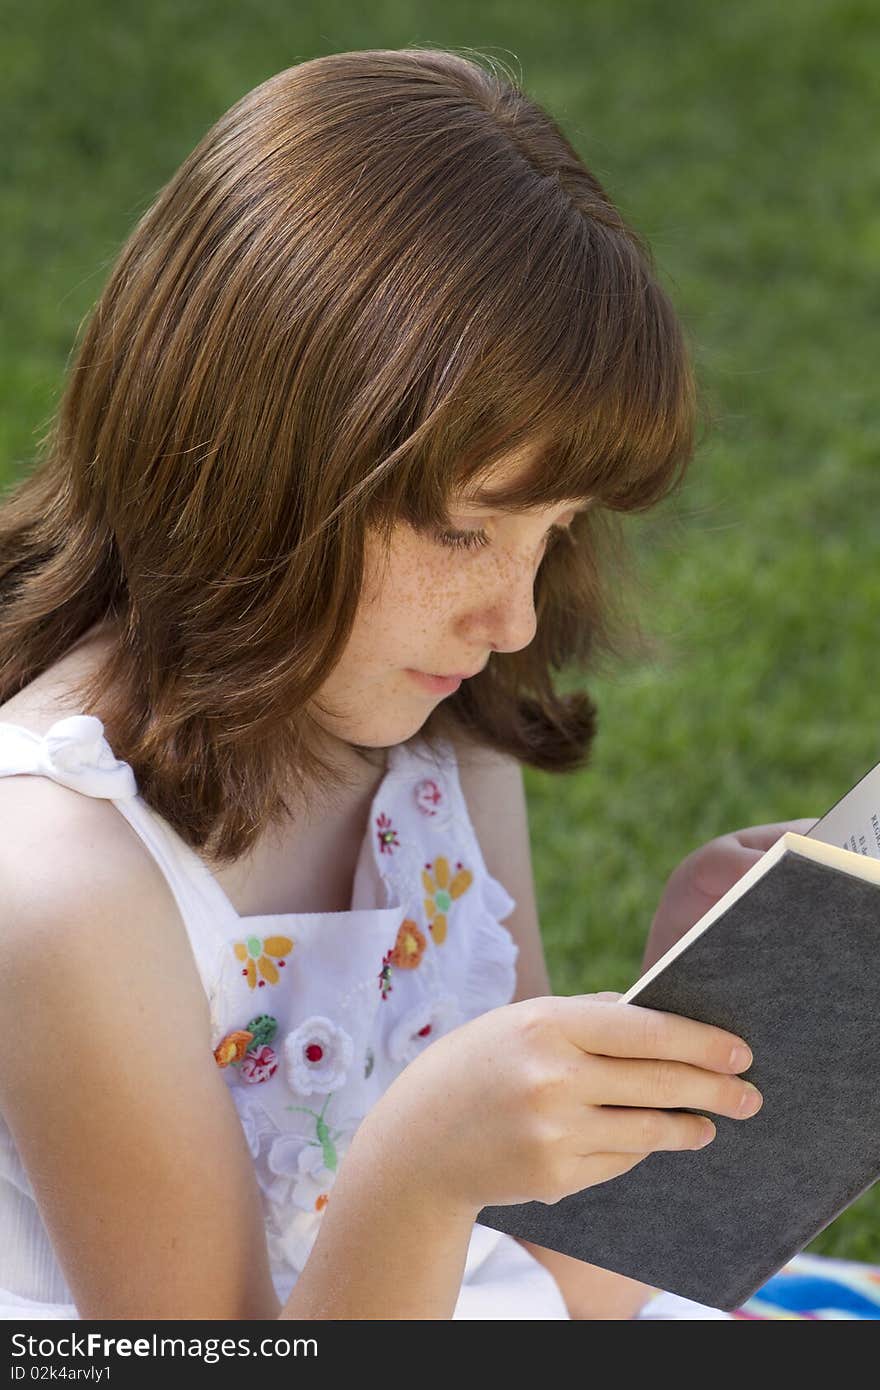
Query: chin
column 383, row 731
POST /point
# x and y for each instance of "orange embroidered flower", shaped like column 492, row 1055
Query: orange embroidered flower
column 233, row 1047
column 256, row 953
column 441, row 892
column 409, row 947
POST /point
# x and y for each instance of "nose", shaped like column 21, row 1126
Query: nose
column 508, row 617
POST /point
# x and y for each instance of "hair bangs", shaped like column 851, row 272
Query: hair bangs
column 582, row 369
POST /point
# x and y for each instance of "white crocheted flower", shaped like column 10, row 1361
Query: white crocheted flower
column 300, row 1194
column 313, row 1179
column 318, row 1055
column 303, row 1168
column 421, row 1025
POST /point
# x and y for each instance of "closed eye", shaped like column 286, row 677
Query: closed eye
column 475, row 540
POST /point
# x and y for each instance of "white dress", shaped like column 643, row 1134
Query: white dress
column 336, row 1005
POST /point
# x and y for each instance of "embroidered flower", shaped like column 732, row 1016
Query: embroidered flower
column 306, row 1181
column 233, row 1047
column 385, row 985
column 387, row 835
column 259, row 1065
column 300, row 1189
column 418, row 1028
column 325, row 1140
column 441, row 893
column 409, row 946
column 428, row 795
column 318, row 1055
column 257, row 953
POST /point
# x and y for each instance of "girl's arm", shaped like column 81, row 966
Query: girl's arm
column 108, row 1083
column 124, row 1124
column 495, row 794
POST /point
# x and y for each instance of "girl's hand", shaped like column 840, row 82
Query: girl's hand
column 705, row 876
column 543, row 1097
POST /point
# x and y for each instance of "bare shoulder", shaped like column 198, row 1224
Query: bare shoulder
column 492, row 784
column 60, row 848
column 484, row 771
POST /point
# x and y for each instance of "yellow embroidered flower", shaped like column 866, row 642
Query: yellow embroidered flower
column 441, row 894
column 256, row 953
column 409, row 946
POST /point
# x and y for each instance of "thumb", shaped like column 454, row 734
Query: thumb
column 608, row 996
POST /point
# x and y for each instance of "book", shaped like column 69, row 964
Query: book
column 788, row 960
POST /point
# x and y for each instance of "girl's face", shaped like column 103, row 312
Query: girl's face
column 437, row 605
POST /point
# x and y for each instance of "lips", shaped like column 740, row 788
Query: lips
column 456, row 675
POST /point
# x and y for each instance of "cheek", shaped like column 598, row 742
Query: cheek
column 417, row 581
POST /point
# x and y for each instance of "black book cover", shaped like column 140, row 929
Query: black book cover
column 792, row 967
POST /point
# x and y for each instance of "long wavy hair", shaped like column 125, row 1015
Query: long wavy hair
column 377, row 275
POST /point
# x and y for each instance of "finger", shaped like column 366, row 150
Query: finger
column 728, row 862
column 609, row 1165
column 629, row 1030
column 763, row 837
column 676, row 1085
column 642, row 1132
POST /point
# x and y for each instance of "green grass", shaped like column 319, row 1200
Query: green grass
column 740, row 139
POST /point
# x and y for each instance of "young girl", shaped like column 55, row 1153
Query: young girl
column 331, row 494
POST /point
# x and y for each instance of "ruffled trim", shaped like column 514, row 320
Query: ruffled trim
column 496, row 897
column 15, row 1308
column 490, row 979
column 11, row 1167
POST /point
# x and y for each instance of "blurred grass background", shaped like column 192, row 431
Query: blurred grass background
column 741, row 141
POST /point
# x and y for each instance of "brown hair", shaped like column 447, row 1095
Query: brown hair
column 378, row 274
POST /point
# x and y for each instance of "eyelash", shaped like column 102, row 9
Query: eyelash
column 475, row 540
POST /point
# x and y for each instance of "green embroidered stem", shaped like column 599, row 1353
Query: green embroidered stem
column 325, row 1139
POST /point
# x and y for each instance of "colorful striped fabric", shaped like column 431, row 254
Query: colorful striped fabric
column 818, row 1288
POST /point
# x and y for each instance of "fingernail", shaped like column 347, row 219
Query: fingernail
column 741, row 1059
column 752, row 1101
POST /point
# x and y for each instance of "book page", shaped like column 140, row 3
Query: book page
column 853, row 823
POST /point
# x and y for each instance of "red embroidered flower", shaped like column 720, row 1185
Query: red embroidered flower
column 428, row 796
column 387, row 835
column 259, row 1065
